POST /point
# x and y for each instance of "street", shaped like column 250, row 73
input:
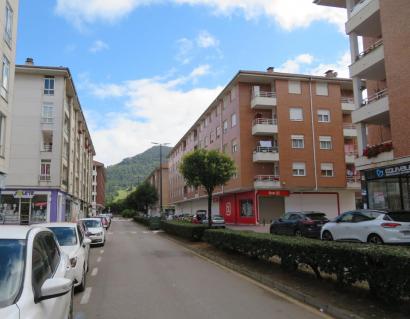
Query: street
column 140, row 274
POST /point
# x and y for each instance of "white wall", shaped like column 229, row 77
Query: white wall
column 190, row 207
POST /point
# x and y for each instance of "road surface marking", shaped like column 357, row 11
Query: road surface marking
column 145, row 232
column 102, row 251
column 133, row 232
column 273, row 291
column 157, row 231
column 98, row 259
column 94, row 272
column 86, row 296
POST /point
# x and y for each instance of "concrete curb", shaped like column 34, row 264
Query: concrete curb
column 334, row 311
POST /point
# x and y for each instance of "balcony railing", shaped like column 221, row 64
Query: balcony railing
column 47, row 120
column 266, row 178
column 263, row 121
column 349, row 126
column 263, row 94
column 377, row 96
column 370, row 49
column 262, row 149
column 47, row 148
column 45, row 178
column 361, row 4
column 353, row 179
column 347, row 100
column 352, row 153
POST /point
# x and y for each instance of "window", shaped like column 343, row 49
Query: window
column 218, row 132
column 2, row 134
column 294, row 87
column 298, row 141
column 5, row 78
column 234, row 146
column 8, row 26
column 225, row 126
column 321, row 88
column 299, row 169
column 49, row 85
column 53, row 252
column 47, row 113
column 233, row 120
column 326, row 169
column 41, row 268
column 323, row 116
column 296, row 114
column 246, row 207
column 45, row 170
column 325, row 142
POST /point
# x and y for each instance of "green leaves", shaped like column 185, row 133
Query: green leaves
column 143, row 197
column 193, row 232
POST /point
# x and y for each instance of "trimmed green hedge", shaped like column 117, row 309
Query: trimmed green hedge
column 193, row 232
column 128, row 213
column 385, row 268
column 142, row 220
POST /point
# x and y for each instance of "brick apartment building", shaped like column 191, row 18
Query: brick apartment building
column 291, row 138
column 381, row 112
column 155, row 180
column 98, row 189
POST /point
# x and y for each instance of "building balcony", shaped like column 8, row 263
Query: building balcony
column 331, row 3
column 364, row 162
column 263, row 100
column 374, row 110
column 364, row 19
column 353, row 182
column 266, row 182
column 369, row 64
column 350, row 157
column 264, row 127
column 347, row 104
column 349, row 130
column 265, row 155
column 47, row 148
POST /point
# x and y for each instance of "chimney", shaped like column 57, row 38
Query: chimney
column 29, row 61
column 330, row 74
column 270, row 69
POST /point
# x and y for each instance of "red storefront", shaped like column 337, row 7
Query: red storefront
column 243, row 208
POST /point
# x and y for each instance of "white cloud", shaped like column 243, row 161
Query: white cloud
column 98, row 45
column 294, row 65
column 289, row 14
column 149, row 103
column 341, row 66
column 206, row 40
column 185, row 47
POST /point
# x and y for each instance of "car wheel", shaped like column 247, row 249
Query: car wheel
column 81, row 287
column 298, row 233
column 327, row 236
column 375, row 239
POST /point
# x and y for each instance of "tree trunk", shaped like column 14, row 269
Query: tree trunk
column 210, row 209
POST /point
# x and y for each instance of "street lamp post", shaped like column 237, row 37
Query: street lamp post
column 160, row 173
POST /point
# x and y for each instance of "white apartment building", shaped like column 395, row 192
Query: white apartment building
column 50, row 175
column 8, row 23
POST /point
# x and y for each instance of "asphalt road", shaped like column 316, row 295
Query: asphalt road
column 140, row 274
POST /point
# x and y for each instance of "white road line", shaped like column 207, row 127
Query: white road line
column 86, row 296
column 94, row 272
column 133, row 232
column 102, row 251
column 98, row 259
column 145, row 232
column 157, row 231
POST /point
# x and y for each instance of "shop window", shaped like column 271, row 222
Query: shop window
column 39, row 208
column 246, row 208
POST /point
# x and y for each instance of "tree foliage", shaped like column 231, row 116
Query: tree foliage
column 142, row 198
column 207, row 169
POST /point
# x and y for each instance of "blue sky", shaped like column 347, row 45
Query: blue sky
column 146, row 69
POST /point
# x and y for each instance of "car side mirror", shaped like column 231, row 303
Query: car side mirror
column 86, row 241
column 53, row 288
column 280, row 220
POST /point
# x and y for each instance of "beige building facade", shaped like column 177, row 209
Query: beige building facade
column 155, row 180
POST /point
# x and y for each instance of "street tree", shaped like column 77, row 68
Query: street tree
column 208, row 169
column 142, row 198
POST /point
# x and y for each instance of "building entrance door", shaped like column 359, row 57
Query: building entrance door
column 25, row 212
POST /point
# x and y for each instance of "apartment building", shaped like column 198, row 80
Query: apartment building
column 292, row 141
column 51, row 160
column 8, row 22
column 155, row 180
column 98, row 188
column 381, row 115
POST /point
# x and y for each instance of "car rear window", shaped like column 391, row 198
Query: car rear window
column 403, row 216
column 316, row 216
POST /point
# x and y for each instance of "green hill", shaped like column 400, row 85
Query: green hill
column 130, row 172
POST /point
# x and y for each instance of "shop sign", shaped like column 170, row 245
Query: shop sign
column 24, row 194
column 228, row 209
column 283, row 193
column 388, row 171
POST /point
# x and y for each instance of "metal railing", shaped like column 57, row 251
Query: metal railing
column 265, row 121
column 353, row 179
column 349, row 126
column 263, row 149
column 47, row 120
column 358, row 6
column 266, row 178
column 369, row 49
column 263, row 94
column 45, row 178
column 377, row 96
column 347, row 100
column 352, row 153
column 47, row 148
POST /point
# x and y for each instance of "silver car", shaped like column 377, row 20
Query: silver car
column 217, row 221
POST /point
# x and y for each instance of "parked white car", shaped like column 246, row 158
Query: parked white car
column 95, row 230
column 34, row 275
column 371, row 226
column 76, row 245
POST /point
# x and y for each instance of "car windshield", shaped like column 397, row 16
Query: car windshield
column 66, row 236
column 401, row 216
column 316, row 216
column 12, row 252
column 90, row 223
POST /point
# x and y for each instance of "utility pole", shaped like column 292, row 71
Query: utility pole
column 160, row 173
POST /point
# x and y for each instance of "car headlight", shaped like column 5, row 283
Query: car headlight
column 73, row 262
